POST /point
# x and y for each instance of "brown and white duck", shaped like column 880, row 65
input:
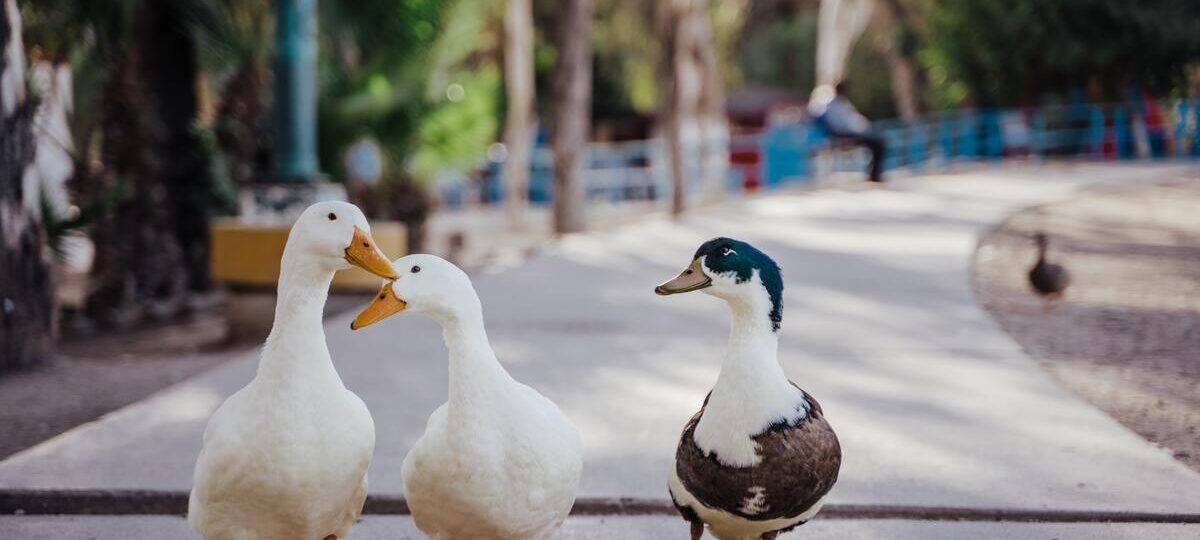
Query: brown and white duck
column 759, row 457
column 1048, row 280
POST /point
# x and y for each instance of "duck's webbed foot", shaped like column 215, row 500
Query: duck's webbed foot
column 697, row 530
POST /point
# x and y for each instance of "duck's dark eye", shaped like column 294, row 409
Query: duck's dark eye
column 725, row 251
column 332, row 216
column 416, row 269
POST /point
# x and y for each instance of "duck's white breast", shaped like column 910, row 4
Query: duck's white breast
column 280, row 467
column 509, row 474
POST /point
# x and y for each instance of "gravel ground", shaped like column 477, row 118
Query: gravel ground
column 1126, row 336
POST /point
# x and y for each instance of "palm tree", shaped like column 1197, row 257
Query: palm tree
column 26, row 287
column 234, row 39
column 151, row 242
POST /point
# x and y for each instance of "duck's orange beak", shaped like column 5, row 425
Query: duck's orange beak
column 363, row 253
column 383, row 306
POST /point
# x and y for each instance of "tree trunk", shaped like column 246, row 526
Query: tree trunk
column 169, row 68
column 670, row 101
column 890, row 31
column 714, row 128
column 692, row 100
column 671, row 86
column 571, row 101
column 139, row 267
column 26, row 283
column 519, row 120
column 839, row 24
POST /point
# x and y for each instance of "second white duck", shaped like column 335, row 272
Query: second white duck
column 497, row 461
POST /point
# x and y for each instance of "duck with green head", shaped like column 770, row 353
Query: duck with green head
column 759, row 457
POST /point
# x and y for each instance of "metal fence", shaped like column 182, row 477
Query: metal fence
column 801, row 151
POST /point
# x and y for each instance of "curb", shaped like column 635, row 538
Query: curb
column 146, row 502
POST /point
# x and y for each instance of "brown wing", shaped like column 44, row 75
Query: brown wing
column 800, row 465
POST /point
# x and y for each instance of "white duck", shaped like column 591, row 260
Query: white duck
column 498, row 460
column 285, row 458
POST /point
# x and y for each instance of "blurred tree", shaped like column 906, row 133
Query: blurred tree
column 466, row 92
column 624, row 59
column 778, row 49
column 571, row 94
column 235, row 40
column 421, row 78
column 520, row 122
column 170, row 67
column 869, row 77
column 375, row 71
column 26, row 286
column 894, row 34
column 139, row 143
column 1018, row 52
column 692, row 96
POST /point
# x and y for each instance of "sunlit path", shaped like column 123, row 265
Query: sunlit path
column 934, row 404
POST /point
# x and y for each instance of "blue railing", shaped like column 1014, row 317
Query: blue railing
column 799, row 152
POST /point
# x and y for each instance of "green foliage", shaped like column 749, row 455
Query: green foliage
column 60, row 27
column 231, row 33
column 1020, row 51
column 375, row 61
column 625, row 61
column 57, row 227
column 458, row 125
column 456, row 134
column 869, row 82
column 86, row 35
column 223, row 190
column 781, row 53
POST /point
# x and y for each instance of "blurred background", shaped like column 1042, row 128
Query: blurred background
column 154, row 152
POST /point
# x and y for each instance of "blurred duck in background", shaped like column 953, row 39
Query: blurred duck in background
column 287, row 455
column 1049, row 280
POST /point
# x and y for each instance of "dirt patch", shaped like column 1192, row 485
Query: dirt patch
column 1126, row 336
column 92, row 376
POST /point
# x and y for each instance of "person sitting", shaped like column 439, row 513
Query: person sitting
column 844, row 123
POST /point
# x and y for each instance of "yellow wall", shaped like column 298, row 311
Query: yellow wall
column 248, row 255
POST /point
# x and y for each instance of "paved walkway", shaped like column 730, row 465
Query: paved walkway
column 935, row 406
column 604, row 528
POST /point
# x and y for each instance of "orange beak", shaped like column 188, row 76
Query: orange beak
column 363, row 253
column 383, row 306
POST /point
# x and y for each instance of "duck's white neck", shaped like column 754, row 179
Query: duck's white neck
column 477, row 380
column 752, row 392
column 296, row 345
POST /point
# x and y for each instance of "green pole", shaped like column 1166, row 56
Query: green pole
column 296, row 91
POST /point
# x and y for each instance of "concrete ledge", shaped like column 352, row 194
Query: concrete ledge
column 608, row 528
column 139, row 502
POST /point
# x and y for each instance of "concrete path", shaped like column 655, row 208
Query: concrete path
column 608, row 528
column 935, row 406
